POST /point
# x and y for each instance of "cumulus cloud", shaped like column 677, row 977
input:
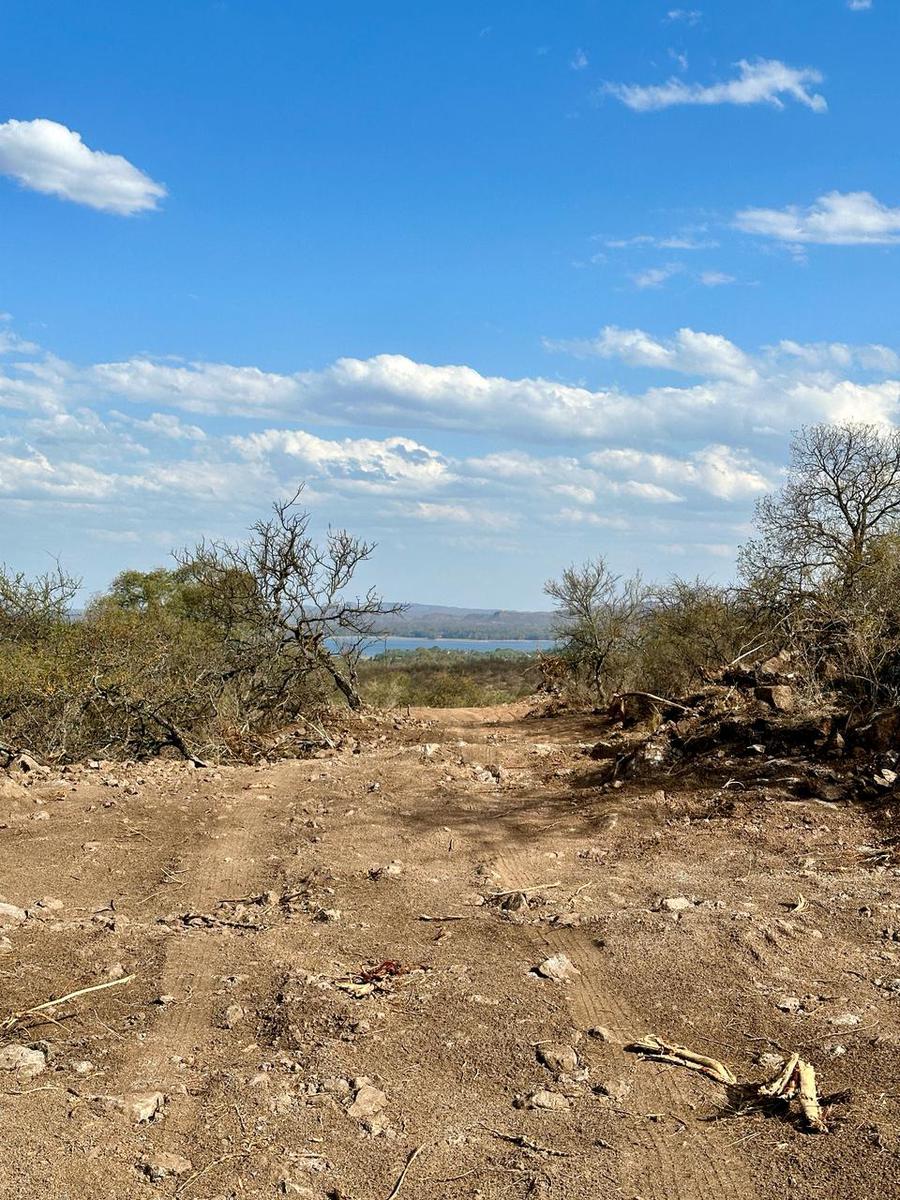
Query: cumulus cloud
column 836, row 219
column 765, row 81
column 47, row 157
column 716, row 278
column 859, row 5
column 689, row 352
column 579, row 61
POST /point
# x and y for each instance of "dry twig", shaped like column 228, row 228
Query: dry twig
column 13, row 1019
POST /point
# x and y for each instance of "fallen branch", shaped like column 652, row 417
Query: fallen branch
column 526, row 891
column 519, row 1139
column 657, row 700
column 654, row 1048
column 413, row 1155
column 11, row 1021
column 797, row 1080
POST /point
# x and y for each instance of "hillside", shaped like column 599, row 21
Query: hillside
column 435, row 620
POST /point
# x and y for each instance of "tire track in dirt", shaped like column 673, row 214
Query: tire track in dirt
column 658, row 1164
column 194, row 963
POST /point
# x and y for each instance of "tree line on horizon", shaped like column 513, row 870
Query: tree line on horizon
column 212, row 657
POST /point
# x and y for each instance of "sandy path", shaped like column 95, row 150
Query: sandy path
column 427, row 821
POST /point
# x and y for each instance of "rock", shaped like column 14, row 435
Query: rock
column 5, row 945
column 9, row 789
column 601, row 1033
column 515, row 902
column 139, row 1107
column 844, row 1021
column 778, row 696
column 41, row 909
column 28, row 765
column 558, row 967
column 559, row 1058
column 544, row 1099
column 771, row 1062
column 287, row 1187
column 675, row 904
column 22, row 1059
column 232, row 1016
column 10, row 914
column 369, row 1104
column 789, row 1004
column 329, row 915
column 162, row 1165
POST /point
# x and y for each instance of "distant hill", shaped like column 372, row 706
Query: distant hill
column 436, row 620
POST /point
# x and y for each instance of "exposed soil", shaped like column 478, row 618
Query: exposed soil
column 301, row 1029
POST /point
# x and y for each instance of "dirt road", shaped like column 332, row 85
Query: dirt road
column 297, row 1026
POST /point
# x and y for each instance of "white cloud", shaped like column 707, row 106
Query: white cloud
column 859, row 5
column 395, row 460
column 460, row 514
column 689, row 16
column 689, row 352
column 676, row 241
column 720, row 471
column 50, row 158
column 579, row 61
column 716, row 278
column 765, row 81
column 836, row 219
column 655, row 277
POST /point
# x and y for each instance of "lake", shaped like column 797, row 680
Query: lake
column 469, row 645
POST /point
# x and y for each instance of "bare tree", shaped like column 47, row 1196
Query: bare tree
column 841, row 496
column 282, row 597
column 598, row 621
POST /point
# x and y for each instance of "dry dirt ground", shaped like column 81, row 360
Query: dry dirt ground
column 295, row 1024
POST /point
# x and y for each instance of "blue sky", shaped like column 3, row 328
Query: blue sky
column 508, row 284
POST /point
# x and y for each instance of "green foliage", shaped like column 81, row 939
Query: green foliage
column 447, row 678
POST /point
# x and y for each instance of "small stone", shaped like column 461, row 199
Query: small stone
column 601, row 1033
column 559, row 1058
column 545, row 1100
column 82, row 1066
column 844, row 1020
column 778, row 696
column 675, row 904
column 233, row 1016
column 11, row 914
column 5, row 945
column 139, row 1107
column 27, row 1061
column 558, row 967
column 368, row 1102
column 116, row 971
column 329, row 915
column 789, row 1004
column 162, row 1165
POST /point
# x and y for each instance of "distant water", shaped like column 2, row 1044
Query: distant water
column 470, row 645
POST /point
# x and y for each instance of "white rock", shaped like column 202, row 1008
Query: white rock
column 558, row 967
column 23, row 1059
column 162, row 1165
column 546, row 1100
column 844, row 1021
column 675, row 904
column 559, row 1058
column 232, row 1016
column 11, row 914
column 368, row 1103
